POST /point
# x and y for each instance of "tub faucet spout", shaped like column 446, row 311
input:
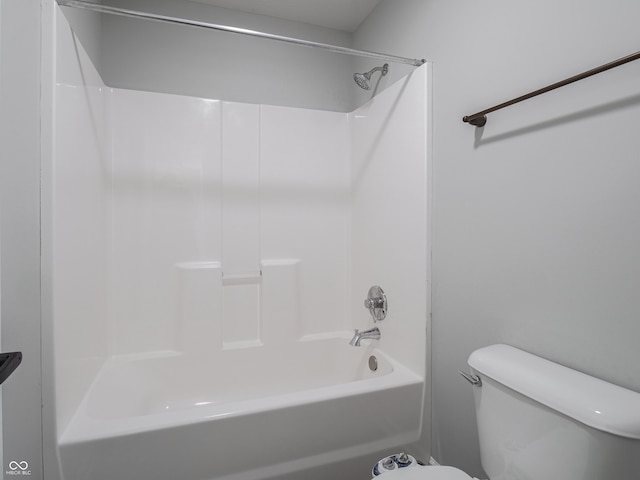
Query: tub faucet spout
column 372, row 333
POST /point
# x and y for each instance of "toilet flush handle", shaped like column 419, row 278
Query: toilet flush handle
column 472, row 379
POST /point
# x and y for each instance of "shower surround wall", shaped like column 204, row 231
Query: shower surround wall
column 191, row 225
column 227, row 221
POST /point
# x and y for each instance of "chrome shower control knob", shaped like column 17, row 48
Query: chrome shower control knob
column 373, row 303
column 376, row 303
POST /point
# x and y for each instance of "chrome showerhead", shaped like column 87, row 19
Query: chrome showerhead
column 364, row 79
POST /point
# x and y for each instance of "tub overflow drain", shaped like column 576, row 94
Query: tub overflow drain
column 373, row 363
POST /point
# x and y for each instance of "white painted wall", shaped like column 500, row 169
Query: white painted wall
column 145, row 55
column 1, row 436
column 19, row 198
column 535, row 222
column 87, row 26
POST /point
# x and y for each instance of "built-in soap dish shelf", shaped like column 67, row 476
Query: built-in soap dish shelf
column 249, row 278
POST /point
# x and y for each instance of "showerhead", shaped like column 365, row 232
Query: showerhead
column 364, row 79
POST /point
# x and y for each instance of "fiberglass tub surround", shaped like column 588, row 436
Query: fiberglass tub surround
column 227, row 249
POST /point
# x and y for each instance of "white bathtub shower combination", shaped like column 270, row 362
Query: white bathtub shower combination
column 209, row 260
column 255, row 414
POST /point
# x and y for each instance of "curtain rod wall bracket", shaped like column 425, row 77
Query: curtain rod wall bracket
column 475, row 120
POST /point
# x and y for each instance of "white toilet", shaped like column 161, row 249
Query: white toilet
column 538, row 420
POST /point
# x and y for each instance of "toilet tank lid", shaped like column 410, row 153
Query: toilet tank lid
column 589, row 400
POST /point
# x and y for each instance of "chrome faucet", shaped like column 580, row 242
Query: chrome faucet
column 372, row 333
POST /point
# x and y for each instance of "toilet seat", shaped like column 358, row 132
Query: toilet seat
column 424, row 473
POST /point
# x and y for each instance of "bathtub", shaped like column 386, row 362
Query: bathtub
column 245, row 414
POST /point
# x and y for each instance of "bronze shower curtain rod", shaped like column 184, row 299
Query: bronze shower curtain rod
column 479, row 119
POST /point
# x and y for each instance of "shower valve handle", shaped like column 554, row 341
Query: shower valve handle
column 376, row 303
column 373, row 303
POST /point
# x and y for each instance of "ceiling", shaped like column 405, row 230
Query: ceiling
column 345, row 15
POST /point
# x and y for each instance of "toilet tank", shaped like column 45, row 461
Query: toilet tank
column 538, row 420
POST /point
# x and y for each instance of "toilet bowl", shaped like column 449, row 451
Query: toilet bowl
column 425, row 473
column 540, row 408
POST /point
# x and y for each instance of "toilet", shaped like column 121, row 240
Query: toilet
column 538, row 420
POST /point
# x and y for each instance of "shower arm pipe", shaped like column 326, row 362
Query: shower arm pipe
column 480, row 119
column 242, row 31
